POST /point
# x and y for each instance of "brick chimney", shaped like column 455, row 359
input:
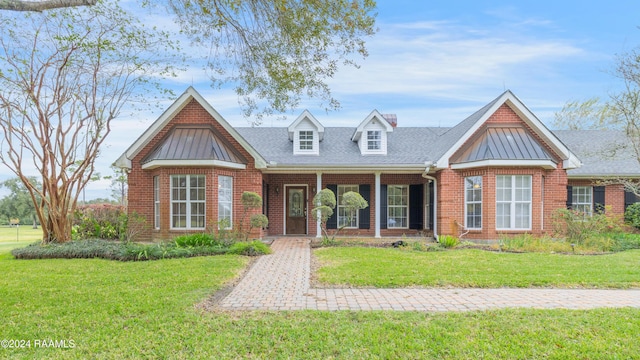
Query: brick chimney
column 391, row 119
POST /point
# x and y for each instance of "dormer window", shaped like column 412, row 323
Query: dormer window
column 306, row 133
column 374, row 140
column 306, row 140
column 372, row 133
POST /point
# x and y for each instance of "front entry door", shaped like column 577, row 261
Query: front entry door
column 296, row 210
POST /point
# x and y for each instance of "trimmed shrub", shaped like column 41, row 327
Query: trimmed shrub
column 253, row 248
column 111, row 250
column 632, row 215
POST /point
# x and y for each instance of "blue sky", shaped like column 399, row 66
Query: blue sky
column 433, row 63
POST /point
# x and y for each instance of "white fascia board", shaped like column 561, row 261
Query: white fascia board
column 363, row 124
column 170, row 113
column 260, row 162
column 443, row 162
column 546, row 164
column 192, row 163
column 345, row 169
column 572, row 162
column 570, row 159
column 123, row 162
column 153, row 130
column 306, row 115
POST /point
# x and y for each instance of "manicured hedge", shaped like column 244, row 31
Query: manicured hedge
column 112, row 250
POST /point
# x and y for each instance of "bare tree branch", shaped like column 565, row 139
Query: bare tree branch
column 37, row 6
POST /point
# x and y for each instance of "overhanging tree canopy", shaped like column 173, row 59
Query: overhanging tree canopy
column 22, row 5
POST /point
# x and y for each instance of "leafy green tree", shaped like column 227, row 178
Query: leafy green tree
column 64, row 76
column 272, row 52
column 18, row 203
column 275, row 52
column 620, row 111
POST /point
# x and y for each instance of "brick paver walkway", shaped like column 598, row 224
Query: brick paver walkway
column 280, row 281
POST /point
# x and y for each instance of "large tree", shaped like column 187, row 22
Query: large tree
column 619, row 111
column 273, row 53
column 64, row 76
column 18, row 203
column 276, row 52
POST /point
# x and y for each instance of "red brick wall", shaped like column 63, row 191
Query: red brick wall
column 504, row 116
column 613, row 194
column 141, row 181
column 450, row 192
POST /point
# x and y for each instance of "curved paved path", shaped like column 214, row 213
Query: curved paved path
column 280, row 281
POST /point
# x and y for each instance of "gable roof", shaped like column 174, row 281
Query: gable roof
column 454, row 139
column 195, row 144
column 504, row 143
column 306, row 115
column 124, row 161
column 375, row 114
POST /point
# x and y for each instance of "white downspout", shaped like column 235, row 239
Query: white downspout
column 377, row 212
column 426, row 175
column 318, row 188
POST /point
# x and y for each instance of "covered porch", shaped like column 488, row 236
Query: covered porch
column 400, row 203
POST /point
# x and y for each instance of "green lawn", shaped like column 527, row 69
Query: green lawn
column 11, row 237
column 120, row 310
column 386, row 267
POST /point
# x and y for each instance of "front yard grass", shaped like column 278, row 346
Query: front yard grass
column 131, row 310
column 388, row 267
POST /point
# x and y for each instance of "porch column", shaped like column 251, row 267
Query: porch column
column 377, row 216
column 318, row 188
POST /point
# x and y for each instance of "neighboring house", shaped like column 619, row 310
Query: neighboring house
column 500, row 171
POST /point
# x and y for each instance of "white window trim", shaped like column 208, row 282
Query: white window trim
column 406, row 206
column 188, row 202
column 377, row 140
column 340, row 206
column 588, row 191
column 156, row 202
column 513, row 203
column 306, row 141
column 227, row 202
column 468, row 202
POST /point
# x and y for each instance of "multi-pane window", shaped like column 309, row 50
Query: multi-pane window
column 513, row 202
column 582, row 199
column 156, row 202
column 374, row 140
column 306, row 140
column 188, row 201
column 345, row 219
column 225, row 202
column 473, row 202
column 397, row 206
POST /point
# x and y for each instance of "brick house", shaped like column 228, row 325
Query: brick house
column 500, row 171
